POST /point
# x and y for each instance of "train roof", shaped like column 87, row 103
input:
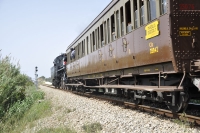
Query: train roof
column 106, row 9
column 62, row 55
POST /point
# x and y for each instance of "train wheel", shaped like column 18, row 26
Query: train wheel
column 137, row 101
column 62, row 83
column 83, row 89
column 181, row 102
column 59, row 85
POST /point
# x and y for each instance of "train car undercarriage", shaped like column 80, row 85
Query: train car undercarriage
column 173, row 90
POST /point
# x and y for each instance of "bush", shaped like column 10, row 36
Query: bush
column 27, row 110
column 18, row 98
column 21, row 106
column 12, row 85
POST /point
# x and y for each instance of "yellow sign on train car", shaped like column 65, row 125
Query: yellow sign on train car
column 185, row 33
column 152, row 30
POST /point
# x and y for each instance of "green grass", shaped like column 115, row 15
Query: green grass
column 56, row 130
column 92, row 128
column 38, row 111
column 183, row 121
column 24, row 113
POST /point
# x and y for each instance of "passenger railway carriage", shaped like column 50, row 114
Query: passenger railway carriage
column 140, row 49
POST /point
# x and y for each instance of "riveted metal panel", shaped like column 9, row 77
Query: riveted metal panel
column 185, row 32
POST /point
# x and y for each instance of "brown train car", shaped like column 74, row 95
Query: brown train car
column 141, row 49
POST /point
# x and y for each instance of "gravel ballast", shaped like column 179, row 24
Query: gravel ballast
column 73, row 111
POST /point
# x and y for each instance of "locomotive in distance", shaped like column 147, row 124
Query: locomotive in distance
column 139, row 49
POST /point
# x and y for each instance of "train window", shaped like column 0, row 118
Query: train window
column 83, row 48
column 105, row 33
column 118, row 22
column 122, row 21
column 135, row 14
column 76, row 53
column 163, row 6
column 87, row 47
column 152, row 9
column 108, row 29
column 98, row 46
column 95, row 36
column 102, row 37
column 142, row 12
column 79, row 50
column 93, row 41
column 128, row 17
column 113, row 27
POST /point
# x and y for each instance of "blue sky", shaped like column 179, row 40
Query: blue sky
column 34, row 32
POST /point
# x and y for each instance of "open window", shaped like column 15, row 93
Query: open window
column 96, row 39
column 73, row 53
column 128, row 16
column 98, row 36
column 93, row 41
column 136, row 14
column 122, row 21
column 76, row 52
column 142, row 12
column 118, row 23
column 163, row 6
column 91, row 45
column 83, row 48
column 102, row 36
column 108, row 30
column 80, row 50
column 87, row 48
column 152, row 9
column 105, row 33
column 113, row 27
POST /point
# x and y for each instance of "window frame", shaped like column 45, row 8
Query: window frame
column 152, row 10
column 163, row 7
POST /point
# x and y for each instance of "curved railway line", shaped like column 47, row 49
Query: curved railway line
column 195, row 120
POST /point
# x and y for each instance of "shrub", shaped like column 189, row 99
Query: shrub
column 12, row 85
column 25, row 111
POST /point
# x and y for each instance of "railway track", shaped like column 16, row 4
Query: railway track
column 182, row 116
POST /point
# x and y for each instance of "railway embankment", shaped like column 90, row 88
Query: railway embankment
column 76, row 112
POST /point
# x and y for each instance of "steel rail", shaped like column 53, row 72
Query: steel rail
column 184, row 117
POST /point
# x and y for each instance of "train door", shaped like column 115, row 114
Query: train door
column 185, row 30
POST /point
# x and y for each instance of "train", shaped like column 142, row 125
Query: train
column 141, row 50
column 58, row 71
